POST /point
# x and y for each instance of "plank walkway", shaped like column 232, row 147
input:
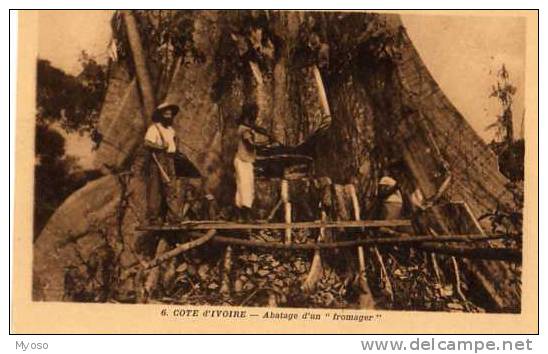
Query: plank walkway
column 223, row 225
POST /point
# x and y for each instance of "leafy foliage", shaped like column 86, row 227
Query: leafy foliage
column 510, row 153
column 72, row 103
column 504, row 91
column 56, row 175
column 166, row 36
column 511, row 158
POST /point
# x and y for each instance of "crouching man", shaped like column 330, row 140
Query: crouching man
column 390, row 194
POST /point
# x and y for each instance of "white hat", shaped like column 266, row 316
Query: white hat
column 387, row 181
column 171, row 106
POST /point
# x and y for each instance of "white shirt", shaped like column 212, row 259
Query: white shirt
column 244, row 152
column 161, row 137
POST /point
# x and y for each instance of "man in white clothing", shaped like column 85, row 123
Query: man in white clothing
column 244, row 160
column 390, row 194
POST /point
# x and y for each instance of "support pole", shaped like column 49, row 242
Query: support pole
column 366, row 300
column 151, row 280
column 316, row 267
column 139, row 60
column 227, row 269
column 321, row 91
column 287, row 208
column 356, row 208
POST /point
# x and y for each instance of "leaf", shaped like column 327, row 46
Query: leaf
column 446, row 291
column 238, row 285
column 455, row 306
column 191, row 269
column 248, row 286
column 328, row 298
column 203, row 270
column 183, row 267
column 253, row 257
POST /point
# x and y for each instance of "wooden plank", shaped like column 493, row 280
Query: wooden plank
column 207, row 225
column 485, row 253
column 414, row 241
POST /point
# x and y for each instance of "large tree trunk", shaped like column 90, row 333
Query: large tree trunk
column 372, row 78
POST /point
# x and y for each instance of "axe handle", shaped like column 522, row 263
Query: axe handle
column 165, row 177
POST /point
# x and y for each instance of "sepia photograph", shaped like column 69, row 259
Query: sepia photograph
column 278, row 160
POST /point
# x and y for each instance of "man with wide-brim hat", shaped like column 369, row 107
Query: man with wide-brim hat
column 161, row 145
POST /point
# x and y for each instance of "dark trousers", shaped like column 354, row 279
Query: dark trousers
column 161, row 195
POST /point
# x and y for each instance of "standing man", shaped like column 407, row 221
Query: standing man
column 244, row 160
column 160, row 141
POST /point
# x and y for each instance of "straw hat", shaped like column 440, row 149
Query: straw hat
column 156, row 116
